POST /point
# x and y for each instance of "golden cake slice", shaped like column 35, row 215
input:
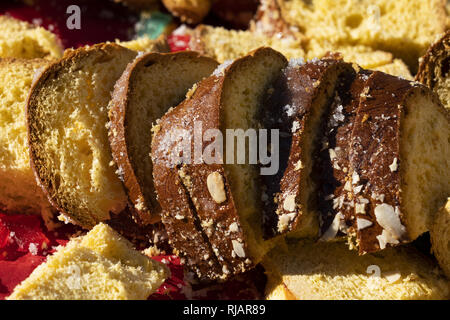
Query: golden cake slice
column 67, row 118
column 101, row 265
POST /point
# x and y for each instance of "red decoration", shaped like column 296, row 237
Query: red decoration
column 178, row 42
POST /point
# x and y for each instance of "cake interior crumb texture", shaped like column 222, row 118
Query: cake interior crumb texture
column 101, row 265
column 330, row 271
column 424, row 160
column 405, row 28
column 20, row 39
column 18, row 189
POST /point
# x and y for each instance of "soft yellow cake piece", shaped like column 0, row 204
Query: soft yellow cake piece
column 18, row 189
column 327, row 270
column 276, row 290
column 20, row 39
column 222, row 44
column 101, row 265
column 405, row 28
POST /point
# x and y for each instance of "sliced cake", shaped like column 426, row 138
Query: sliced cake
column 212, row 209
column 100, row 265
column 150, row 85
column 331, row 167
column 67, row 116
column 329, row 271
column 434, row 70
column 399, row 161
column 304, row 94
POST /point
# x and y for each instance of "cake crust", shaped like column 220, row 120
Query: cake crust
column 435, row 66
column 147, row 209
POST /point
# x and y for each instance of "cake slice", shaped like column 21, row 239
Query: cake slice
column 440, row 237
column 20, row 39
column 435, row 68
column 329, row 271
column 100, row 265
column 150, row 85
column 66, row 118
column 399, row 161
column 304, row 94
column 212, row 208
column 19, row 192
column 335, row 198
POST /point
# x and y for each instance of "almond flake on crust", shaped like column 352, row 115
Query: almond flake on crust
column 389, row 218
column 363, row 223
column 216, row 187
column 334, row 228
column 394, row 166
column 238, row 248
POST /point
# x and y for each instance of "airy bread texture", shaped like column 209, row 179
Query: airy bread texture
column 329, row 271
column 145, row 44
column 440, row 237
column 434, row 70
column 426, row 170
column 101, row 265
column 67, row 117
column 19, row 39
column 405, row 28
column 223, row 45
column 149, row 86
column 18, row 189
column 213, row 211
